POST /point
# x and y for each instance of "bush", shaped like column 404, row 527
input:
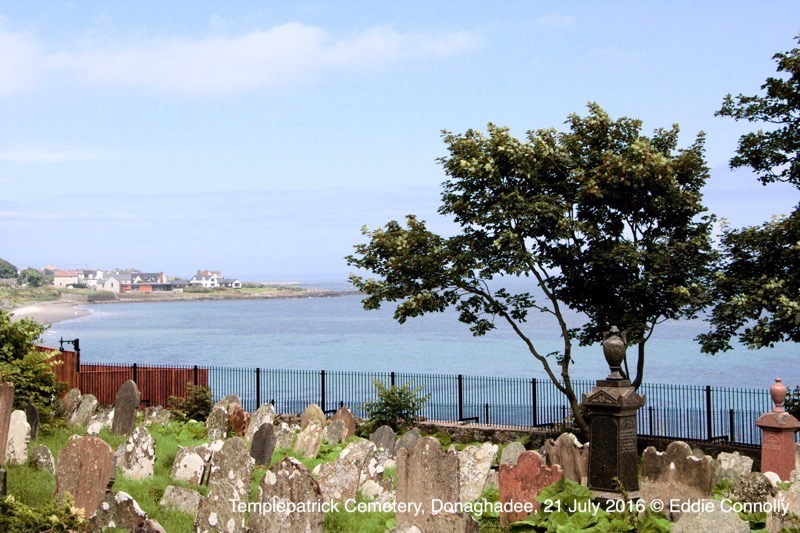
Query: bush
column 34, row 382
column 396, row 406
column 54, row 516
column 792, row 402
column 195, row 406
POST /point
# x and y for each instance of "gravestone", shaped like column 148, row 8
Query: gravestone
column 126, row 405
column 156, row 415
column 85, row 410
column 788, row 499
column 676, row 473
column 183, row 499
column 19, row 435
column 731, row 466
column 511, row 453
column 778, row 430
column 573, row 457
column 407, row 440
column 753, row 487
column 384, row 437
column 229, row 403
column 229, row 482
column 345, row 415
column 335, row 433
column 217, row 423
column 191, row 464
column 309, row 441
column 32, row 415
column 138, row 455
column 425, row 474
column 42, row 459
column 474, row 463
column 237, row 421
column 6, row 408
column 263, row 445
column 523, row 482
column 289, row 482
column 711, row 519
column 118, row 510
column 284, row 436
column 70, row 402
column 233, row 464
column 612, row 405
column 338, row 480
column 313, row 413
column 263, row 415
column 358, row 453
column 217, row 512
column 86, row 471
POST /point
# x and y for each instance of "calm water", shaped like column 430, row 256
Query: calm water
column 337, row 334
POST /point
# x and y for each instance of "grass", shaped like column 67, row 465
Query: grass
column 14, row 296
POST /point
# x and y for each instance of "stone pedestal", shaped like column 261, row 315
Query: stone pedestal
column 777, row 436
column 613, row 456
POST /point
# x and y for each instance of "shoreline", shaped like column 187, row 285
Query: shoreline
column 50, row 312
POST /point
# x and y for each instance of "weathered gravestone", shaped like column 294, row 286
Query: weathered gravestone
column 474, row 464
column 407, row 440
column 32, row 415
column 523, row 482
column 384, row 437
column 313, row 413
column 263, row 415
column 126, row 405
column 42, row 459
column 118, row 510
column 70, row 402
column 229, row 403
column 426, row 474
column 284, row 436
column 338, row 480
column 183, row 499
column 191, row 464
column 85, row 410
column 138, row 455
column 217, row 423
column 309, row 440
column 86, row 471
column 6, row 408
column 731, row 466
column 229, row 483
column 335, row 433
column 345, row 415
column 573, row 457
column 156, row 415
column 753, row 487
column 237, row 421
column 288, row 483
column 263, row 445
column 676, row 473
column 19, row 435
column 712, row 518
column 359, row 453
column 785, row 514
column 511, row 453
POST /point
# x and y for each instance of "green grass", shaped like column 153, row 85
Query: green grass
column 361, row 522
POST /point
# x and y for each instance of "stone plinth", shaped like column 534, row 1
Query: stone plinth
column 777, row 443
column 613, row 456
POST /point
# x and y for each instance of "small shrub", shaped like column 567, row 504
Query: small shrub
column 54, row 516
column 397, row 406
column 792, row 403
column 34, row 382
column 196, row 405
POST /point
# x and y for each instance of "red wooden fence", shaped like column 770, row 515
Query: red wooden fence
column 156, row 383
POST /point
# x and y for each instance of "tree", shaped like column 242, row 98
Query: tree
column 32, row 277
column 602, row 219
column 757, row 291
column 7, row 270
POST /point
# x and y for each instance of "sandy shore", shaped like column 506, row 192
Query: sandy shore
column 50, row 312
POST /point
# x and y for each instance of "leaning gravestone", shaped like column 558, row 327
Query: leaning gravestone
column 32, row 415
column 85, row 410
column 345, row 415
column 523, row 482
column 138, row 455
column 191, row 464
column 309, row 441
column 289, row 482
column 313, row 413
column 70, row 402
column 233, row 464
column 676, row 473
column 126, row 405
column 426, row 474
column 511, row 453
column 229, row 482
column 42, row 459
column 118, row 510
column 336, row 433
column 358, row 453
column 19, row 435
column 217, row 423
column 474, row 464
column 408, row 440
column 384, row 437
column 263, row 445
column 86, row 471
column 263, row 415
column 573, row 457
column 237, row 421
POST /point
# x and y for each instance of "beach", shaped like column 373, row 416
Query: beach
column 50, row 312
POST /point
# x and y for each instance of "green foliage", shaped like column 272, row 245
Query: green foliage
column 31, row 277
column 396, row 406
column 34, row 382
column 602, row 219
column 17, row 337
column 51, row 516
column 347, row 522
column 195, row 406
column 7, row 270
column 757, row 290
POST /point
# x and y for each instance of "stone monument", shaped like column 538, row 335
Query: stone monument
column 612, row 406
column 777, row 435
column 6, row 408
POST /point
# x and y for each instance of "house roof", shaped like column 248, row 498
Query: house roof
column 65, row 274
column 208, row 273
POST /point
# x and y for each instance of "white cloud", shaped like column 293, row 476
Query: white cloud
column 281, row 55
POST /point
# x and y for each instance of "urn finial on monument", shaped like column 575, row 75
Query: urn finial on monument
column 777, row 435
column 778, row 393
column 615, row 343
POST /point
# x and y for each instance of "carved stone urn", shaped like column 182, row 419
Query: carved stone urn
column 614, row 346
column 778, row 393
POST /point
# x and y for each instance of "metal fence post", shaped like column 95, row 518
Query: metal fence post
column 391, row 379
column 322, row 389
column 135, row 374
column 195, row 376
column 709, row 426
column 486, row 413
column 732, row 420
column 258, row 388
column 460, row 381
column 533, row 402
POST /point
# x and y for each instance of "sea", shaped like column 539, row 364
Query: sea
column 336, row 333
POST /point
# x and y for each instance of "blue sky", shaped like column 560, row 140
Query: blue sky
column 257, row 138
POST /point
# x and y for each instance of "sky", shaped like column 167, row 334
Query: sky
column 257, row 138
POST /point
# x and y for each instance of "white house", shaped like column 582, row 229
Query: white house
column 206, row 278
